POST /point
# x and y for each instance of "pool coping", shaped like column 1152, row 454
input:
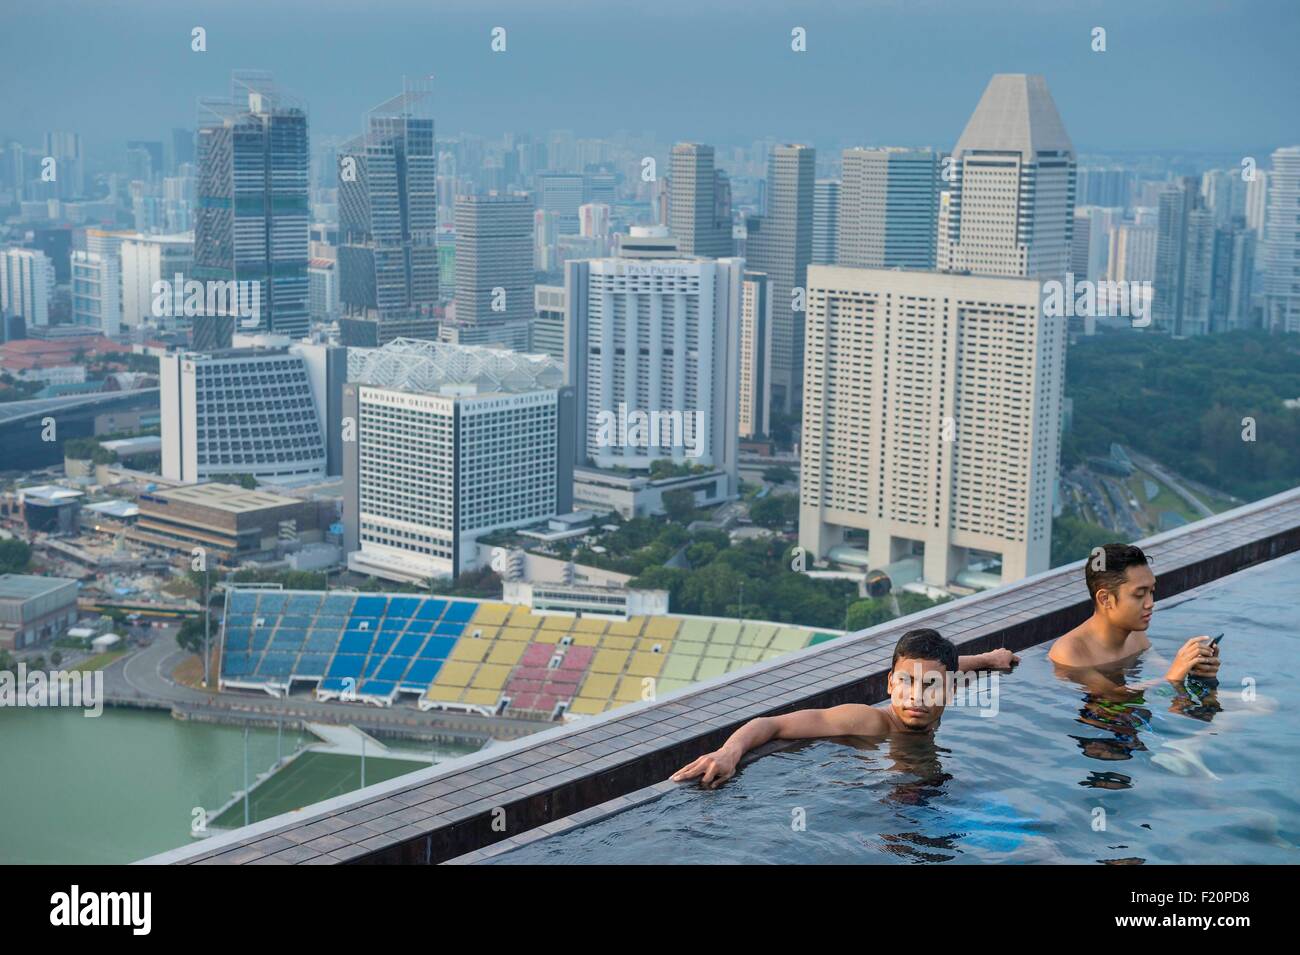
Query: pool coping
column 541, row 781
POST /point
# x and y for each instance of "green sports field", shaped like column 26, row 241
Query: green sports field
column 310, row 778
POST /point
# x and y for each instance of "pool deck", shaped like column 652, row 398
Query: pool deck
column 477, row 806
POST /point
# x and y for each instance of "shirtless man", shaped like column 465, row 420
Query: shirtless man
column 922, row 658
column 1123, row 598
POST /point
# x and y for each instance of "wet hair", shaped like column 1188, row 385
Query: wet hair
column 925, row 644
column 1116, row 560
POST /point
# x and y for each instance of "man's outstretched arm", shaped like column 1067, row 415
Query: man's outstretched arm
column 848, row 719
column 1000, row 659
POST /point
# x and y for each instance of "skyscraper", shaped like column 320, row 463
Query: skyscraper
column 26, row 281
column 932, row 415
column 1013, row 183
column 388, row 220
column 1132, row 256
column 452, row 442
column 699, row 214
column 1282, row 238
column 780, row 245
column 889, row 208
column 97, row 282
column 1184, row 261
column 252, row 213
column 494, row 271
column 826, row 221
column 655, row 341
column 1234, row 269
column 755, row 364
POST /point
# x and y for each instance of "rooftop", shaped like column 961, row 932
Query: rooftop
column 408, row 364
column 27, row 586
column 223, row 497
column 49, row 494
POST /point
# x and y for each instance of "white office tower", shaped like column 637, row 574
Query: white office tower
column 932, row 415
column 1224, row 192
column 1013, row 183
column 452, row 442
column 1102, row 222
column 826, row 221
column 943, row 240
column 26, row 283
column 1257, row 203
column 97, row 282
column 653, row 349
column 1282, row 243
column 1132, row 256
column 146, row 261
column 547, row 334
column 247, row 410
column 889, row 208
column 755, row 355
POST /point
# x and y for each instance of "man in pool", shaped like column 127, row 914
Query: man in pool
column 917, row 684
column 1123, row 599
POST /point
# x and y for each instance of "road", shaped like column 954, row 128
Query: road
column 1146, row 464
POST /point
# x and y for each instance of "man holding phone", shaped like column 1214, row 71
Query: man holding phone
column 1123, row 595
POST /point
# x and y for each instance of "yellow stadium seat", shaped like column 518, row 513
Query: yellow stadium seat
column 455, row 674
column 491, row 614
column 609, row 661
column 491, row 677
column 661, row 627
column 506, row 653
column 598, row 685
column 645, row 664
column 482, row 697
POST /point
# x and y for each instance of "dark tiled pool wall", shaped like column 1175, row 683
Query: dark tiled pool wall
column 545, row 779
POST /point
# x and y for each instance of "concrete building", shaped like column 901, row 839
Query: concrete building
column 755, row 364
column 26, row 285
column 699, row 212
column 653, row 350
column 779, row 244
column 1132, row 255
column 1282, row 243
column 50, row 509
column 826, row 221
column 548, row 336
column 931, row 421
column 889, row 208
column 245, row 410
column 228, row 522
column 35, row 609
column 452, row 442
column 146, row 261
column 1183, row 286
column 1013, row 184
column 494, row 271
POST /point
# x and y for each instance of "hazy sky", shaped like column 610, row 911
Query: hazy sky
column 1196, row 75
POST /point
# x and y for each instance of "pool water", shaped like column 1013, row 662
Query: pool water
column 1056, row 776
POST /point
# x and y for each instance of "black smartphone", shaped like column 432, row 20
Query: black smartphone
column 1215, row 641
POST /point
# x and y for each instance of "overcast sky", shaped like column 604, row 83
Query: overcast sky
column 1194, row 75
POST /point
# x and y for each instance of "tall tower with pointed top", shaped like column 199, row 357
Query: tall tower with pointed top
column 1013, row 184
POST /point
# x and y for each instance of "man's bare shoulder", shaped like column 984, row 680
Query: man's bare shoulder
column 858, row 719
column 1072, row 649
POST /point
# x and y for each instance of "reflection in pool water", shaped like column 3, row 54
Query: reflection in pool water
column 1059, row 775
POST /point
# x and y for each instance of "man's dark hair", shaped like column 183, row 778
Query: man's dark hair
column 1107, row 567
column 925, row 644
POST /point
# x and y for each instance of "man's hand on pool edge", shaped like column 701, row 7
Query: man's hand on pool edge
column 714, row 769
column 999, row 659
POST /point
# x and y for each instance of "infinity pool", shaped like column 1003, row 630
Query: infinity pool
column 1056, row 776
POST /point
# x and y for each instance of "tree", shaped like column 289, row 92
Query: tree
column 15, row 556
column 680, row 505
column 190, row 636
column 775, row 511
column 779, row 474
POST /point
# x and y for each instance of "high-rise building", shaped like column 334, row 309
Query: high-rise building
column 1132, row 255
column 889, row 208
column 1079, row 242
column 1257, row 203
column 699, row 214
column 932, row 416
column 1110, row 186
column 1234, row 270
column 146, row 261
column 1090, row 252
column 1282, row 242
column 69, row 165
column 323, row 301
column 26, row 285
column 452, row 442
column 547, row 336
column 653, row 356
column 755, row 363
column 826, row 219
column 1224, row 192
column 97, row 282
column 494, row 271
column 562, row 193
column 252, row 214
column 780, row 245
column 388, row 219
column 1184, row 261
column 1013, row 183
column 244, row 410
